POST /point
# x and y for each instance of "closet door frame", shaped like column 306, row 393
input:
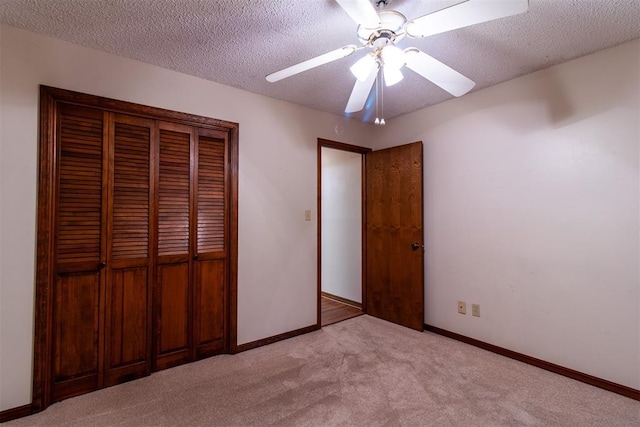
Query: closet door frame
column 50, row 99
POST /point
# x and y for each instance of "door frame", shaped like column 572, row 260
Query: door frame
column 50, row 98
column 362, row 151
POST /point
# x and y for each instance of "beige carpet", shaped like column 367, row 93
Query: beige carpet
column 360, row 372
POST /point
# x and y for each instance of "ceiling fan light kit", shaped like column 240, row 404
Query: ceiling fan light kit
column 362, row 68
column 392, row 57
column 380, row 31
column 392, row 76
column 361, row 90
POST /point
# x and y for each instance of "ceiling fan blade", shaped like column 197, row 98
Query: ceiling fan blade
column 312, row 63
column 362, row 12
column 361, row 90
column 464, row 14
column 438, row 73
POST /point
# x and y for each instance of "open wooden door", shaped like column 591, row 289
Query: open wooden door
column 395, row 250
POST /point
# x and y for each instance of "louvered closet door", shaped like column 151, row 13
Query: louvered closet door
column 79, row 252
column 128, row 308
column 172, row 301
column 210, row 284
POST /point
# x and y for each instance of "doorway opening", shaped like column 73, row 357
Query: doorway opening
column 341, row 231
column 378, row 194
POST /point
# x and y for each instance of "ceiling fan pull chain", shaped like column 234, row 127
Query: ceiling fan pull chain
column 381, row 97
column 382, row 122
column 377, row 121
column 378, row 80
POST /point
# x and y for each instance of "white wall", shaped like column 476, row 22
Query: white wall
column 277, row 183
column 531, row 210
column 342, row 223
column 531, row 201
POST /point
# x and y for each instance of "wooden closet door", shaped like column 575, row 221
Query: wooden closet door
column 79, row 247
column 136, row 242
column 211, row 257
column 172, row 300
column 128, row 308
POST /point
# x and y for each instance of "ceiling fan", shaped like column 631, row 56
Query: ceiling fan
column 380, row 31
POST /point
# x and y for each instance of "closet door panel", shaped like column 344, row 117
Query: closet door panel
column 173, row 294
column 76, row 314
column 130, row 188
column 78, row 277
column 211, row 194
column 128, row 293
column 174, row 308
column 128, row 305
column 79, row 204
column 211, row 266
column 174, row 187
column 210, row 310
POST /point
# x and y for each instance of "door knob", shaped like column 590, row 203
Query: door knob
column 415, row 246
column 195, row 257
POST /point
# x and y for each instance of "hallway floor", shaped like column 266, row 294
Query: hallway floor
column 335, row 311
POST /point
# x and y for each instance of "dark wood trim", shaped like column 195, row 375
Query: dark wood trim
column 44, row 253
column 15, row 413
column 270, row 340
column 125, row 107
column 548, row 366
column 343, row 146
column 154, row 272
column 363, row 232
column 354, row 149
column 107, row 151
column 342, row 300
column 422, row 239
column 194, row 144
column 233, row 239
column 154, row 175
column 319, row 235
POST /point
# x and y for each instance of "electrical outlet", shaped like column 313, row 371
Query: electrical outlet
column 475, row 310
column 462, row 307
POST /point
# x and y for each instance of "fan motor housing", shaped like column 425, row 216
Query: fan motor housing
column 390, row 31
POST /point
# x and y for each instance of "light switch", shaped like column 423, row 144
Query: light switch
column 307, row 215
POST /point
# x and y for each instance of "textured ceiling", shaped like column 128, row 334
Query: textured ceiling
column 239, row 42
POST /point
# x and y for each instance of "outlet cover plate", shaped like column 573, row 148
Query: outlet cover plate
column 462, row 307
